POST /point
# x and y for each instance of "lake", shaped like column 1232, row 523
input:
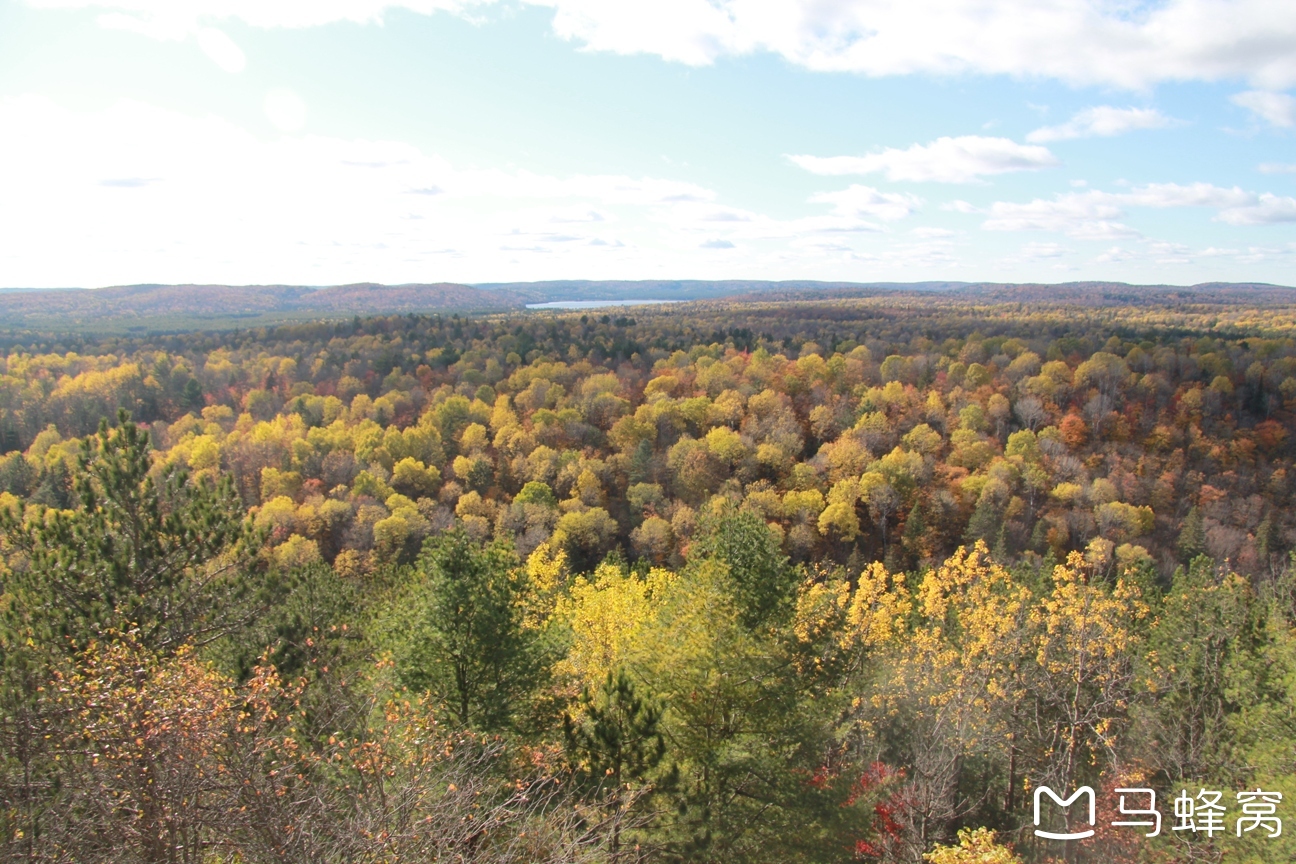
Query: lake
column 595, row 304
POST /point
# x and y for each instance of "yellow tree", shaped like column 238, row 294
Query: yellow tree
column 1085, row 636
column 974, row 847
column 954, row 671
column 608, row 614
column 839, row 516
column 838, row 631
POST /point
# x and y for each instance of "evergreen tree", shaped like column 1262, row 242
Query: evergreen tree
column 1039, row 536
column 162, row 556
column 191, row 397
column 462, row 635
column 1264, row 537
column 1200, row 670
column 161, row 562
column 616, row 744
column 985, row 523
column 617, row 737
column 640, row 469
column 763, row 580
column 1000, row 551
column 17, row 476
column 1192, row 537
column 55, row 487
column 914, row 537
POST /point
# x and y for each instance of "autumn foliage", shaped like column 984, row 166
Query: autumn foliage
column 802, row 582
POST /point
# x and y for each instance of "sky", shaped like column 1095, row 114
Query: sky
column 321, row 142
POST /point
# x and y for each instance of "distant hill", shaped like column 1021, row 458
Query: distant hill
column 162, row 308
column 370, row 297
column 1084, row 293
column 145, row 301
column 689, row 289
column 1120, row 293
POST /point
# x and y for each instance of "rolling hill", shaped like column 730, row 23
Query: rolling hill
column 173, row 308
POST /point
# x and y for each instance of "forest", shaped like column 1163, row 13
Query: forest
column 774, row 579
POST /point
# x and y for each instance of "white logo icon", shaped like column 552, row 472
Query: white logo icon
column 1080, row 835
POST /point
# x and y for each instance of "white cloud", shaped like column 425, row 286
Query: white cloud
column 1267, row 209
column 172, row 18
column 1102, row 121
column 213, row 42
column 1278, row 168
column 135, row 193
column 1163, row 252
column 1035, row 251
column 1277, row 108
column 1116, row 255
column 1078, row 41
column 577, row 215
column 946, row 160
column 167, row 28
column 143, row 194
column 708, row 220
column 936, row 257
column 1081, row 42
column 1083, row 215
column 286, row 110
column 1177, row 195
column 175, row 26
column 1093, row 215
column 221, row 49
column 856, row 200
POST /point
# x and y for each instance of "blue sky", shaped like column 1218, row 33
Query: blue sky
column 328, row 141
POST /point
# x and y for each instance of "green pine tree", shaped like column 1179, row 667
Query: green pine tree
column 169, row 560
column 166, row 557
column 617, row 740
column 985, row 523
column 915, row 528
column 640, row 463
column 764, row 582
column 1264, row 540
column 1039, row 536
column 1192, row 537
column 616, row 747
column 459, row 632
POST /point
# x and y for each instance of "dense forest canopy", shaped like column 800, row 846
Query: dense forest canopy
column 765, row 580
column 1036, row 431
